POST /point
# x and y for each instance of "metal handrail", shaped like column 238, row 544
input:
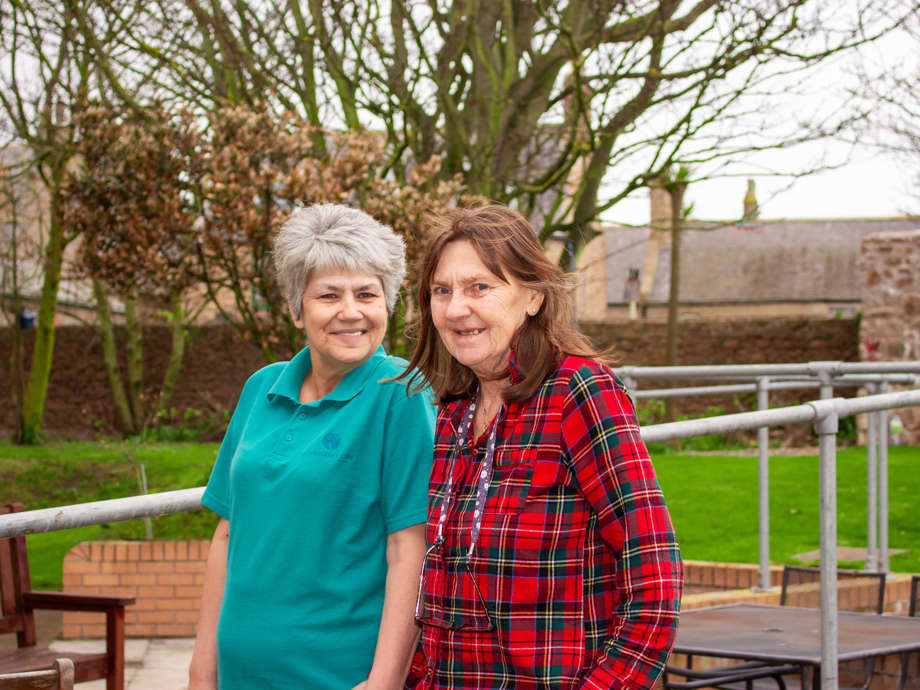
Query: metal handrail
column 831, row 369
column 825, row 414
column 168, row 502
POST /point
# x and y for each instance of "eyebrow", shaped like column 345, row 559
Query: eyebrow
column 478, row 278
column 333, row 287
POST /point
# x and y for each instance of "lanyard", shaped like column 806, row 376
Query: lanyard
column 482, row 483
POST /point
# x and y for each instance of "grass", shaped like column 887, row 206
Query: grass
column 66, row 473
column 713, row 503
column 713, row 499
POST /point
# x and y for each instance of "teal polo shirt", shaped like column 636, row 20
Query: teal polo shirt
column 311, row 492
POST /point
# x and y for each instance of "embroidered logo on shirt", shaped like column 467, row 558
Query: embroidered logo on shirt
column 331, row 441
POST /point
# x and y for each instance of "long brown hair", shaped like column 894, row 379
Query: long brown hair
column 507, row 245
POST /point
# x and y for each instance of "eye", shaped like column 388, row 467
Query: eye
column 439, row 291
column 480, row 287
column 367, row 295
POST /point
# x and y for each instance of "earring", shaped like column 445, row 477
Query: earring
column 533, row 310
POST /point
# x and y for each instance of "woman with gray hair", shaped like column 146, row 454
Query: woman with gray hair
column 320, row 482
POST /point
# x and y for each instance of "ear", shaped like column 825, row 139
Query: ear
column 298, row 322
column 535, row 302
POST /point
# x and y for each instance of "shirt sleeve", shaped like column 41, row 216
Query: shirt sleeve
column 613, row 471
column 408, row 447
column 217, row 493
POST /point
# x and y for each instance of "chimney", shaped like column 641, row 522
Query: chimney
column 750, row 202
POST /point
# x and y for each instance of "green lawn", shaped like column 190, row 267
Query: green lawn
column 65, row 473
column 713, row 503
column 713, row 500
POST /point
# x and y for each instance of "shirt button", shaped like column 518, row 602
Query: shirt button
column 289, row 437
column 302, row 415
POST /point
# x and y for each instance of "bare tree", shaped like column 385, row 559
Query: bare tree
column 44, row 76
column 563, row 109
column 21, row 234
column 888, row 92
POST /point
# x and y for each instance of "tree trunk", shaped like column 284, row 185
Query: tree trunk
column 176, row 354
column 110, row 359
column 397, row 341
column 134, row 352
column 16, row 364
column 677, row 212
column 40, row 373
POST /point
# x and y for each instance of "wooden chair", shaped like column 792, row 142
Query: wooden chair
column 18, row 602
column 58, row 677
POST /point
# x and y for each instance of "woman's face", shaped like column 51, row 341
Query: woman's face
column 474, row 311
column 344, row 316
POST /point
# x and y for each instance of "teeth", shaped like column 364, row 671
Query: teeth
column 472, row 331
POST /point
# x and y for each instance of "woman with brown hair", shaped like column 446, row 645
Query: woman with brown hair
column 551, row 558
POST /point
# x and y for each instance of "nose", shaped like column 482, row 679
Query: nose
column 457, row 306
column 349, row 309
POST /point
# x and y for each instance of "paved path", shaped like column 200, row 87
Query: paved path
column 150, row 664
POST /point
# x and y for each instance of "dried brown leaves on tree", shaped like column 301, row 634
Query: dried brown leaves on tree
column 165, row 203
column 129, row 200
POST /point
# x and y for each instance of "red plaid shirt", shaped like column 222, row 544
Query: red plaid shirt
column 577, row 559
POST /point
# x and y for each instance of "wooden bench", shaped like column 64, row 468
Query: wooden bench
column 18, row 601
column 58, row 677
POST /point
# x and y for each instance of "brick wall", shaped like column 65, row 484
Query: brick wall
column 165, row 577
column 711, row 584
column 218, row 361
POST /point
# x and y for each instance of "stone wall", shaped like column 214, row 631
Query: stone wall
column 890, row 328
column 218, row 362
column 732, row 342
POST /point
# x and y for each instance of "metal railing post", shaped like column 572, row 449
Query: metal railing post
column 826, row 426
column 826, row 378
column 763, row 484
column 871, row 485
column 884, row 561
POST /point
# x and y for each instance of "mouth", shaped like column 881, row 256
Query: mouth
column 350, row 334
column 469, row 331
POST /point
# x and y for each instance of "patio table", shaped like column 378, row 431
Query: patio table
column 791, row 635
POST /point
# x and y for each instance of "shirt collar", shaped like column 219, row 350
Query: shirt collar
column 288, row 383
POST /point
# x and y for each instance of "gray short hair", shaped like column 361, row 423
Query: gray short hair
column 331, row 236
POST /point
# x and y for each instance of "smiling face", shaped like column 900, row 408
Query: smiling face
column 344, row 316
column 475, row 312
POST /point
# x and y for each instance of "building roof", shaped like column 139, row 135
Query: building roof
column 761, row 261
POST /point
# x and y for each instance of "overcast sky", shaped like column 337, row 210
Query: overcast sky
column 870, row 185
column 867, row 183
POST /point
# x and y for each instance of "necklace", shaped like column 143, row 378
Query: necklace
column 485, row 417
